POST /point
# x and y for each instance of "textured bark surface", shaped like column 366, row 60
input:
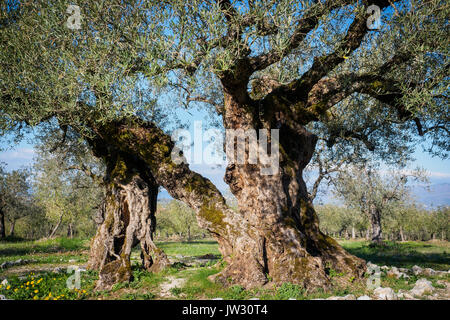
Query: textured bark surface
column 375, row 223
column 274, row 235
column 127, row 218
column 287, row 244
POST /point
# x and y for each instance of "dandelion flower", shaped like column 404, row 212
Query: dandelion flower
column 8, row 287
column 36, row 291
column 35, row 297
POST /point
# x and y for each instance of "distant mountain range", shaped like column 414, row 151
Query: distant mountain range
column 434, row 195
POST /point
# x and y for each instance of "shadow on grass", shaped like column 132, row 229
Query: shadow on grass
column 209, row 242
column 403, row 255
column 19, row 247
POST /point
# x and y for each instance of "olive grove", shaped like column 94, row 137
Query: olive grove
column 113, row 72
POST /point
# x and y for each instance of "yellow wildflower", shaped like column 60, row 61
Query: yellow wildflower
column 8, row 287
column 35, row 297
column 36, row 291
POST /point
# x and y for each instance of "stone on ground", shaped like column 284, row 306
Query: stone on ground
column 385, row 293
column 422, row 286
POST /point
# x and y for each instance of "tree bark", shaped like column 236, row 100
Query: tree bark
column 12, row 227
column 127, row 218
column 402, row 236
column 375, row 222
column 2, row 224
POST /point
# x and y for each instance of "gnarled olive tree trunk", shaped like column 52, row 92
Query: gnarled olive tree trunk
column 287, row 244
column 274, row 235
column 127, row 217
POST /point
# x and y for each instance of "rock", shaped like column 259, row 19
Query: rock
column 417, row 270
column 404, row 295
column 429, row 272
column 347, row 297
column 5, row 282
column 371, row 266
column 2, row 297
column 19, row 262
column 385, row 293
column 385, row 268
column 404, row 270
column 441, row 273
column 421, row 287
column 364, row 298
column 395, row 273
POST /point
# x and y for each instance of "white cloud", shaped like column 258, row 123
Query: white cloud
column 16, row 158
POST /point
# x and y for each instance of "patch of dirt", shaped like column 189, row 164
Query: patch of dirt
column 171, row 283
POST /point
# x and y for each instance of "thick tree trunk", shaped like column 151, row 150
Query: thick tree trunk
column 274, row 235
column 375, row 222
column 127, row 217
column 2, row 225
column 284, row 241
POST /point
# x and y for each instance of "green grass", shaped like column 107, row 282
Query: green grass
column 403, row 254
column 44, row 251
column 190, row 248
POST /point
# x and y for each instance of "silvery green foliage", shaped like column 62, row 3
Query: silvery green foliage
column 153, row 58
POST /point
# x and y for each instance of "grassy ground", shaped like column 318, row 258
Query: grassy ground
column 37, row 281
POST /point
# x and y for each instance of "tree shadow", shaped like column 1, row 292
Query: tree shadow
column 403, row 255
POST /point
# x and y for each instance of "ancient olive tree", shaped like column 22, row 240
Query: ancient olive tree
column 67, row 182
column 373, row 193
column 108, row 69
column 16, row 199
